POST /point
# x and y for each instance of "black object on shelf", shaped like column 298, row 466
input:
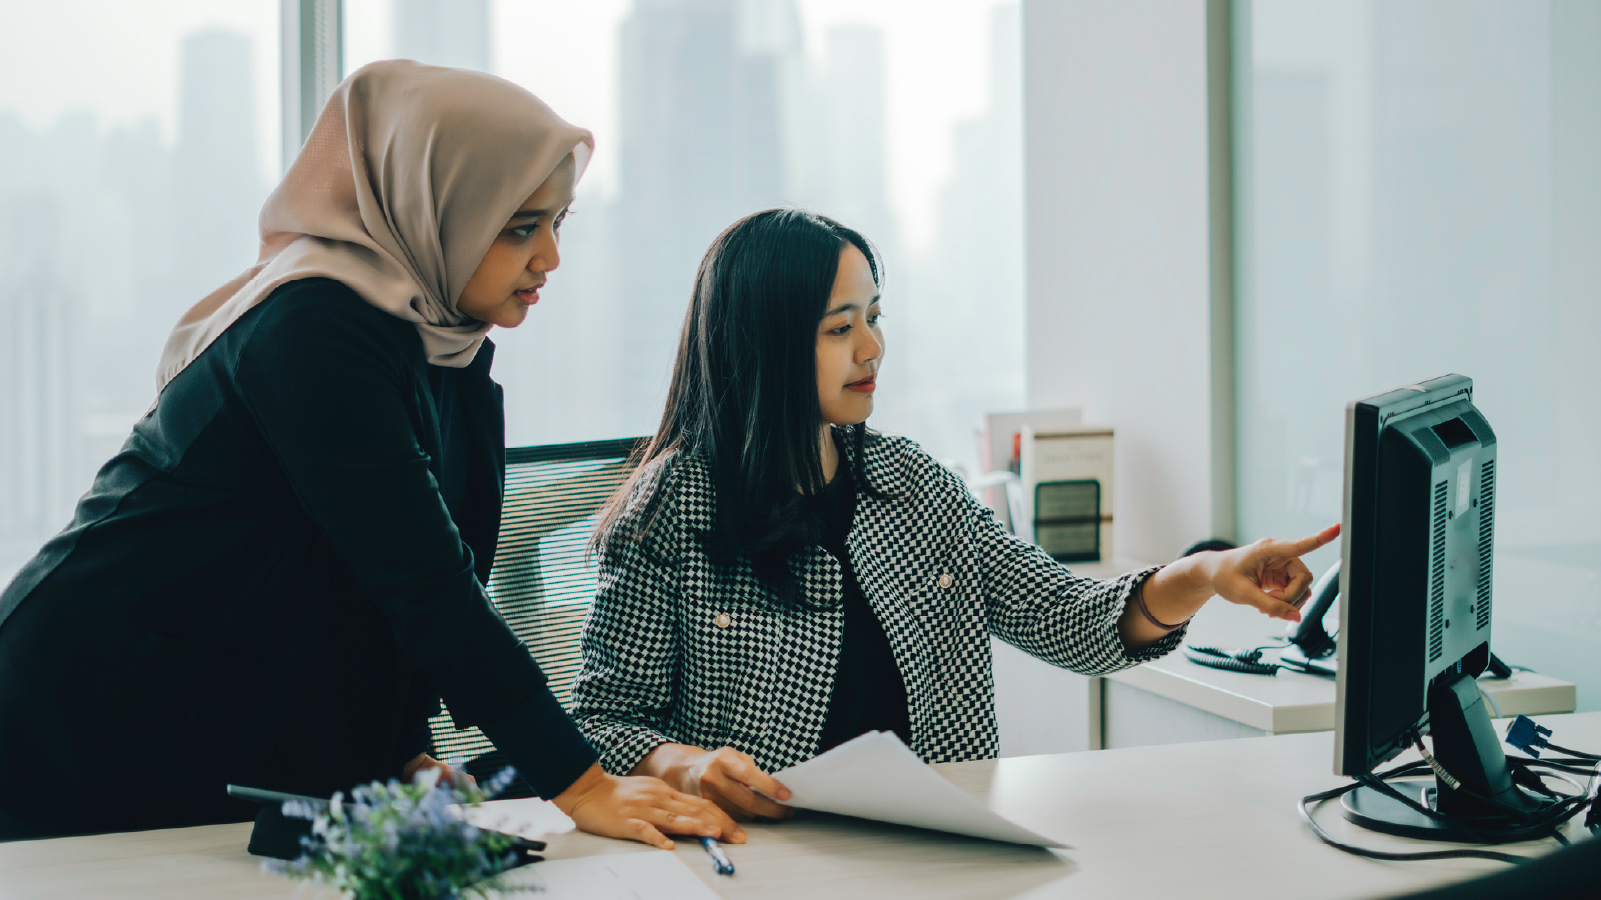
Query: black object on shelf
column 1067, row 519
column 1206, row 546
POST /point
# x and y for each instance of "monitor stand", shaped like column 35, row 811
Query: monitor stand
column 1466, row 745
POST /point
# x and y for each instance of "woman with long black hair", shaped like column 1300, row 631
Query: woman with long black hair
column 282, row 572
column 777, row 578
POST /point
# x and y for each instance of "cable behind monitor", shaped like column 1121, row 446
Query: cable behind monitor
column 1507, row 824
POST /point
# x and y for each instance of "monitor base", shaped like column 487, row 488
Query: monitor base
column 1378, row 811
column 1381, row 812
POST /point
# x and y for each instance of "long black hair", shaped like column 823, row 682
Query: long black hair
column 744, row 390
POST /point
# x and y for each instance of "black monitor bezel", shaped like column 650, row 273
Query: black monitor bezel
column 1355, row 752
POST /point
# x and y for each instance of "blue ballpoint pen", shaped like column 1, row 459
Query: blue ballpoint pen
column 719, row 858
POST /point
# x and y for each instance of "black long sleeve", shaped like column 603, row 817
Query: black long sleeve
column 271, row 555
column 543, row 743
column 330, row 396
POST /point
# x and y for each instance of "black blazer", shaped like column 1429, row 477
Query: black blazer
column 265, row 587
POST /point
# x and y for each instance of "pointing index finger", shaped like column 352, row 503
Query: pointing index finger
column 1308, row 544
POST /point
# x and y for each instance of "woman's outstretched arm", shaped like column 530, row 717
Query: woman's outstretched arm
column 1268, row 575
column 1041, row 607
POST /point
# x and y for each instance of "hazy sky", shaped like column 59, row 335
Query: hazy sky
column 936, row 71
column 119, row 60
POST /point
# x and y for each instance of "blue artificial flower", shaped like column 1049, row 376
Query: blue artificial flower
column 393, row 839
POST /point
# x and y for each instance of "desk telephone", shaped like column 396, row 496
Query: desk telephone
column 1311, row 647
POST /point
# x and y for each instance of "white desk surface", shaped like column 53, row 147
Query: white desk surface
column 1214, row 819
column 1292, row 702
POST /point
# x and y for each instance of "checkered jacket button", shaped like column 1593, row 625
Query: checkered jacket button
column 724, row 620
column 945, row 581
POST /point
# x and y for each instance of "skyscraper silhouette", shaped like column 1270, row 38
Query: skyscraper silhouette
column 37, row 400
column 104, row 242
column 443, row 32
column 217, row 189
column 837, row 156
column 701, row 144
column 974, row 272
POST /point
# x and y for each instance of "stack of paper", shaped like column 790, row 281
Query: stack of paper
column 877, row 777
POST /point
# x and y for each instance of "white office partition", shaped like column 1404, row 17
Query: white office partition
column 1120, row 205
column 1119, row 212
column 1419, row 192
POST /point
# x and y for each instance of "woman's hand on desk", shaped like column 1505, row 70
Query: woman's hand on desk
column 422, row 762
column 726, row 777
column 642, row 809
column 1267, row 575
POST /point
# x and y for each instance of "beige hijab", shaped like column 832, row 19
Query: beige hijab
column 409, row 174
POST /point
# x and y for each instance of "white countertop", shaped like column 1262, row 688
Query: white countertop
column 1290, row 701
column 1198, row 821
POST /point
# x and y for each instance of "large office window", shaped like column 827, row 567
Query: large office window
column 898, row 117
column 1420, row 193
column 137, row 141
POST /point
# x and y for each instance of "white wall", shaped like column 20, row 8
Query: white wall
column 1117, row 210
column 1116, row 199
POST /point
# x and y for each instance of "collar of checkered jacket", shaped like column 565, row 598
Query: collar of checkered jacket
column 678, row 649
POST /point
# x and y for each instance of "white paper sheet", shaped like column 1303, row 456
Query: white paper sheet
column 654, row 875
column 528, row 817
column 877, row 777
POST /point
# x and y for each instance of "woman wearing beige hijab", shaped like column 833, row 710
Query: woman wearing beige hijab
column 281, row 574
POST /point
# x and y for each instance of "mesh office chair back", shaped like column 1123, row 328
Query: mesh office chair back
column 543, row 580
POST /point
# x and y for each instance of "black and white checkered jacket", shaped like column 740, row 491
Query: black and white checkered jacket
column 680, row 650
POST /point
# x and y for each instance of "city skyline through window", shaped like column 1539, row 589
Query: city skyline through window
column 901, row 119
column 139, row 141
